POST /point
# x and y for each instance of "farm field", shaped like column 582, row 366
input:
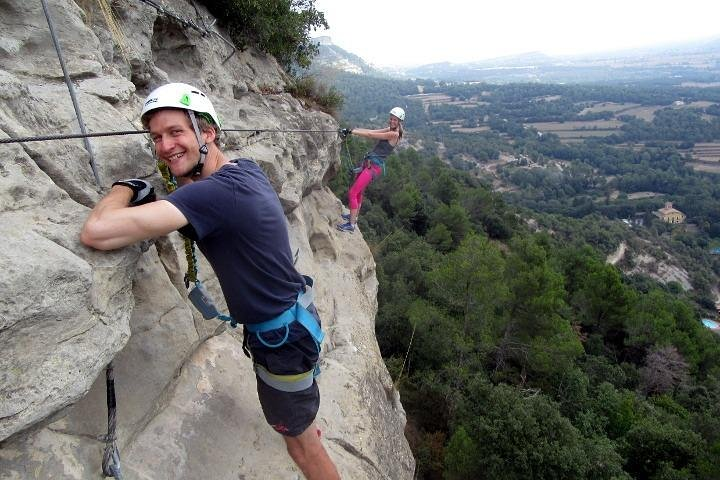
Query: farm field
column 640, row 195
column 643, row 112
column 428, row 99
column 700, row 84
column 609, row 107
column 470, row 130
column 705, row 167
column 700, row 104
column 706, row 157
column 578, row 130
column 580, row 134
column 579, row 125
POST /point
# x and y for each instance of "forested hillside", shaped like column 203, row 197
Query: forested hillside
column 519, row 351
column 578, row 151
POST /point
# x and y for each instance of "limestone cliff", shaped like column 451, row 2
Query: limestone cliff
column 187, row 406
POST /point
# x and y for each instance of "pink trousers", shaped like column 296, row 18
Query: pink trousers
column 355, row 195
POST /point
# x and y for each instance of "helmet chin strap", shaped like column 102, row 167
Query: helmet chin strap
column 203, row 147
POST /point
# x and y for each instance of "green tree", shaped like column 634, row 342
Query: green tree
column 595, row 290
column 440, row 237
column 660, row 450
column 518, row 437
column 407, row 205
column 461, row 458
column 437, row 338
column 469, row 283
column 455, row 219
column 536, row 336
column 445, row 188
column 279, row 27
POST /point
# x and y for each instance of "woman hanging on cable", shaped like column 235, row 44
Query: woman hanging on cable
column 373, row 164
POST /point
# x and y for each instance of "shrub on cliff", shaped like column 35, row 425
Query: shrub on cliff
column 279, row 27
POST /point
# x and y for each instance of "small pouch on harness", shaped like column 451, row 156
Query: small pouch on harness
column 201, row 299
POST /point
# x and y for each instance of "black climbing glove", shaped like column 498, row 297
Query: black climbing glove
column 143, row 192
column 344, row 132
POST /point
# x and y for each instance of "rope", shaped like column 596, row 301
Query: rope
column 111, row 455
column 42, row 138
column 395, row 383
column 190, row 257
column 71, row 89
column 349, row 163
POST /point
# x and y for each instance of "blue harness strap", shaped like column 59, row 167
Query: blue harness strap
column 297, row 312
column 377, row 160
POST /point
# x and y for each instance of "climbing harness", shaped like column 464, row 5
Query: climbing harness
column 111, row 455
column 369, row 158
column 375, row 159
column 297, row 313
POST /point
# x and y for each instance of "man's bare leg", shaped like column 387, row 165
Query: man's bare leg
column 309, row 454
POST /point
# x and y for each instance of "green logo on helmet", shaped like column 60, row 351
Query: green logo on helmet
column 185, row 100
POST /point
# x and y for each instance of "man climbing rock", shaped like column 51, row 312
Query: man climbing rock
column 230, row 209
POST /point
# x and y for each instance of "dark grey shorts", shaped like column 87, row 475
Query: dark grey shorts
column 289, row 413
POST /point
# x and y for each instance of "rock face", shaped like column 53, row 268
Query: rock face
column 187, row 406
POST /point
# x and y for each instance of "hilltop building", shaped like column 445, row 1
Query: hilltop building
column 668, row 214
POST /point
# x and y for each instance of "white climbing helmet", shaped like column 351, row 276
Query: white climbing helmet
column 399, row 113
column 180, row 95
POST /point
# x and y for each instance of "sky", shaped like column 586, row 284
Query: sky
column 406, row 32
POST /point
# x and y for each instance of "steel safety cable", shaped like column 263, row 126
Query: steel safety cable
column 189, row 23
column 71, row 89
column 66, row 136
column 42, row 138
column 111, row 455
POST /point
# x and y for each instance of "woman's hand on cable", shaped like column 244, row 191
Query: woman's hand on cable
column 143, row 192
column 344, row 132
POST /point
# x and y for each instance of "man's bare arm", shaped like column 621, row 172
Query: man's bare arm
column 113, row 224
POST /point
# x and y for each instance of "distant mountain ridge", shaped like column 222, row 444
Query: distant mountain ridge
column 332, row 56
column 696, row 61
column 693, row 61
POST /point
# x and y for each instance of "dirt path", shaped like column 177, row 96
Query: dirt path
column 617, row 255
